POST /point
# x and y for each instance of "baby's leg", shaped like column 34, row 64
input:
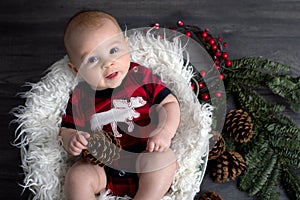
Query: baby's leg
column 156, row 174
column 84, row 180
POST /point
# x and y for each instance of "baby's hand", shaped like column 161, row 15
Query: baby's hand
column 160, row 141
column 75, row 141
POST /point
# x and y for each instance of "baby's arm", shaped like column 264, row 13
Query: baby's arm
column 73, row 141
column 168, row 121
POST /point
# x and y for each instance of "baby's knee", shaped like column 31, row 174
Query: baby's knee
column 85, row 174
column 78, row 171
column 149, row 162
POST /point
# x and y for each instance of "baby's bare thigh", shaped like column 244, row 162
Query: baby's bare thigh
column 149, row 162
column 89, row 174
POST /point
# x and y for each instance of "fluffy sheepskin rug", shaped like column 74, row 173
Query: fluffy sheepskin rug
column 44, row 160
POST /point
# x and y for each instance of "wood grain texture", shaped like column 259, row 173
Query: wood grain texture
column 31, row 40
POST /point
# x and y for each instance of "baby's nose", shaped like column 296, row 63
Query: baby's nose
column 108, row 63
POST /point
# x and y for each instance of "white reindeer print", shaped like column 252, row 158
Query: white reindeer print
column 122, row 111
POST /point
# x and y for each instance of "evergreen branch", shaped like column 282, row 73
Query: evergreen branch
column 254, row 157
column 255, row 105
column 250, row 77
column 284, row 143
column 254, row 169
column 268, row 192
column 283, row 120
column 267, row 117
column 266, row 65
column 288, row 88
column 290, row 157
column 263, row 176
column 263, row 73
column 282, row 130
column 290, row 183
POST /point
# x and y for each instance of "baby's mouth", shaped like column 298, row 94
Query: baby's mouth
column 112, row 75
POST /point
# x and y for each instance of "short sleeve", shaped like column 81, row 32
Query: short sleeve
column 67, row 118
column 74, row 115
column 155, row 89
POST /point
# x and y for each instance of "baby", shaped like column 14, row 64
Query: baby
column 99, row 55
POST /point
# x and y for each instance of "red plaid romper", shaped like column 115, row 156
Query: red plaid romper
column 84, row 102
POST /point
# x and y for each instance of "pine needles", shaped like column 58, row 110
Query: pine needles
column 275, row 146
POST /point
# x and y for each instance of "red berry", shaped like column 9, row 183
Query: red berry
column 212, row 41
column 193, row 86
column 218, row 53
column 217, row 67
column 156, row 26
column 188, row 33
column 214, row 47
column 202, row 73
column 201, row 85
column 208, row 38
column 225, row 55
column 217, row 62
column 206, row 30
column 228, row 63
column 225, row 44
column 204, row 34
column 180, row 23
column 218, row 94
column 205, row 96
column 220, row 39
column 221, row 76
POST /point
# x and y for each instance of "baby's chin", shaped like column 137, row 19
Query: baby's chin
column 109, row 86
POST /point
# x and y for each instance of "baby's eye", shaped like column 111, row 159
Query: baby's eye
column 114, row 50
column 93, row 59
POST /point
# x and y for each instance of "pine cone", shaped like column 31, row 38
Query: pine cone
column 218, row 148
column 102, row 148
column 209, row 195
column 238, row 126
column 228, row 166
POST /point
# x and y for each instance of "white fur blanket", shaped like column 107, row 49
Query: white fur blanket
column 44, row 160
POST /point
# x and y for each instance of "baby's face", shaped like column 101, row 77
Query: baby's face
column 101, row 56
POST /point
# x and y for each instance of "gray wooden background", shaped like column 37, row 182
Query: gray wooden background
column 31, row 40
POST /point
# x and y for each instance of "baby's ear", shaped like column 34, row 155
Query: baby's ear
column 126, row 40
column 72, row 68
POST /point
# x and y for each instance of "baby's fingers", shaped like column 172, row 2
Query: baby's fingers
column 157, row 148
column 77, row 146
column 81, row 137
column 150, row 146
column 75, row 151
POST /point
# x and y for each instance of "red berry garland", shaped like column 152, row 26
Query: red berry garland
column 215, row 48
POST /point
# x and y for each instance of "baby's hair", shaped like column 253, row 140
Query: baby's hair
column 88, row 19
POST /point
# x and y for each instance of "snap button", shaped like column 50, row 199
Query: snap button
column 121, row 173
column 135, row 69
